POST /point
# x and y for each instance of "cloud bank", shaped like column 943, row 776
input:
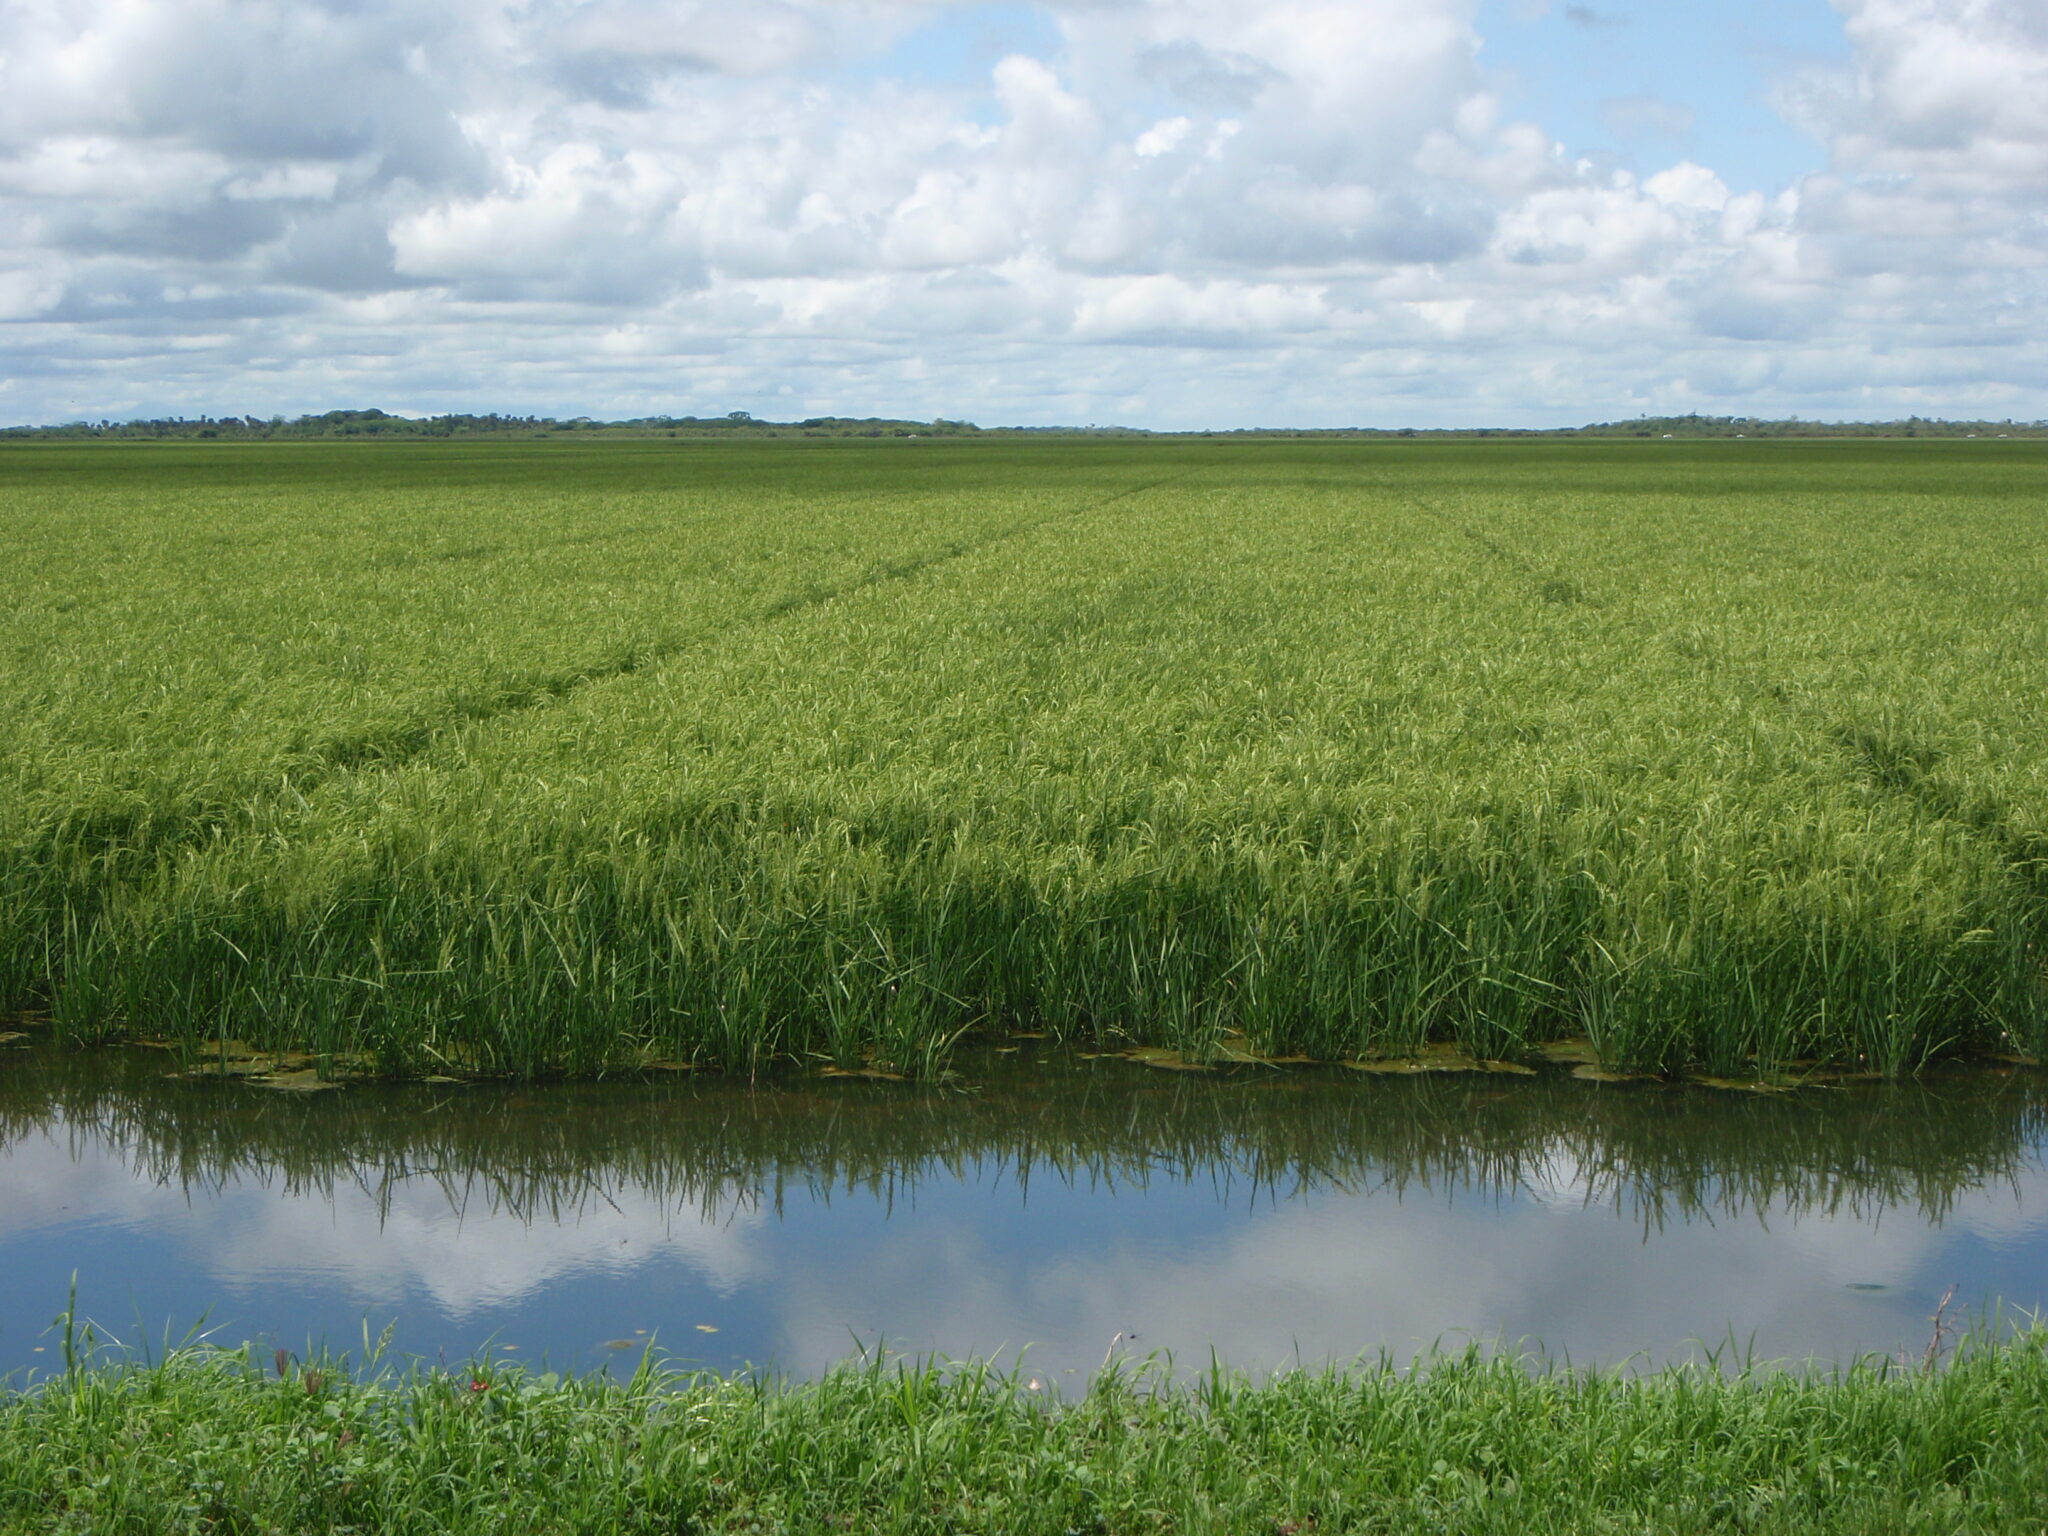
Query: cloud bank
column 1164, row 212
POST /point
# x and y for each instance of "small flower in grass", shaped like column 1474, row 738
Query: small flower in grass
column 477, row 1384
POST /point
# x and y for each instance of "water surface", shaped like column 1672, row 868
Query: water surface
column 1051, row 1205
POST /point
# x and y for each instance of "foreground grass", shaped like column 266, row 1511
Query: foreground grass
column 209, row 1442
column 542, row 757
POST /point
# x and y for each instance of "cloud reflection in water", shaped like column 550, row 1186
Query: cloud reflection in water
column 1276, row 1222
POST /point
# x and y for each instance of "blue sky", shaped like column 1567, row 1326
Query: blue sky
column 1642, row 85
column 957, row 46
column 1629, row 85
column 1173, row 213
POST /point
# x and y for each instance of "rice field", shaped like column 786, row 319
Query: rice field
column 558, row 757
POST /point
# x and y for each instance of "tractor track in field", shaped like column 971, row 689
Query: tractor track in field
column 110, row 830
column 378, row 750
column 1891, row 764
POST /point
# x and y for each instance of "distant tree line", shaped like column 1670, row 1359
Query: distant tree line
column 1676, row 427
column 1755, row 426
column 381, row 424
column 374, row 423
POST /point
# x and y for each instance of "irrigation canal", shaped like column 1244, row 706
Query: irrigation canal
column 1075, row 1206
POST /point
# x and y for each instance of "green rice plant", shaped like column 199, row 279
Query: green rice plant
column 540, row 758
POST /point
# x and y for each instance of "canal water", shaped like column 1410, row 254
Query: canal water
column 1044, row 1207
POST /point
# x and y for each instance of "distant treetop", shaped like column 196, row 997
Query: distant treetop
column 381, row 424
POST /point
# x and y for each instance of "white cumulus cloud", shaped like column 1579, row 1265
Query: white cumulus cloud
column 612, row 206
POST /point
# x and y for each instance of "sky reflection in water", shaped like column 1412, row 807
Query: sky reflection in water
column 1056, row 1205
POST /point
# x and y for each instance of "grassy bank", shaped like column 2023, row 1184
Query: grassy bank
column 538, row 757
column 216, row 1441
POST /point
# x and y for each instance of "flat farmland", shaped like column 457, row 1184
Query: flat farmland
column 564, row 757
